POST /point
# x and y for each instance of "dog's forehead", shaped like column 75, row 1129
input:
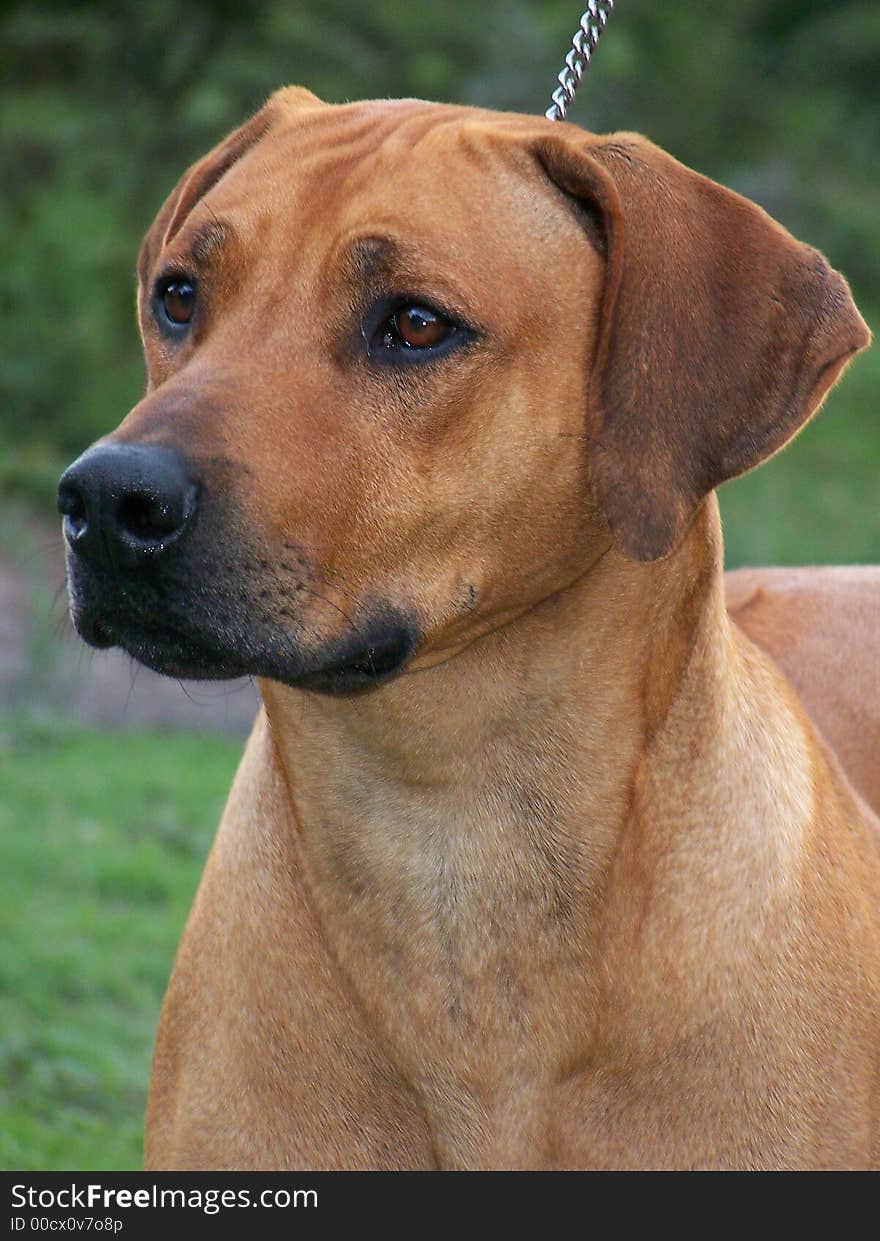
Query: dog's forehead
column 406, row 167
column 351, row 148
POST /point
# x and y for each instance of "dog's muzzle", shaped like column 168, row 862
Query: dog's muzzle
column 156, row 566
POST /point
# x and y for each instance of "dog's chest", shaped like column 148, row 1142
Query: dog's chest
column 470, row 958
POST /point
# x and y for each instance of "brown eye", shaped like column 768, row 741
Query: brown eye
column 178, row 299
column 406, row 332
column 417, row 327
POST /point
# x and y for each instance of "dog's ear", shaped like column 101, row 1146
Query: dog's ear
column 194, row 185
column 719, row 333
column 206, row 172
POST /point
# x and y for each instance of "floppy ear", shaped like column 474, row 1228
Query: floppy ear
column 206, row 172
column 719, row 334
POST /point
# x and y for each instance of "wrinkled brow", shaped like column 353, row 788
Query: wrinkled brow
column 370, row 258
column 373, row 261
column 206, row 239
column 196, row 245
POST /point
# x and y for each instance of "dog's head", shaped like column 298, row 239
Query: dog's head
column 412, row 368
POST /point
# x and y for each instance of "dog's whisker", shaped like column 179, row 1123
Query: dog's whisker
column 134, row 669
column 344, row 614
column 186, row 691
column 317, row 595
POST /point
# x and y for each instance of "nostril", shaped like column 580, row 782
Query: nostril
column 143, row 518
column 72, row 507
column 148, row 519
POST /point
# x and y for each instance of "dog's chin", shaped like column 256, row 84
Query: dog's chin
column 351, row 663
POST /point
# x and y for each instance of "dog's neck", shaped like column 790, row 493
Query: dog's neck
column 541, row 718
column 462, row 828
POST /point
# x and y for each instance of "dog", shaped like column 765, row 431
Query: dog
column 821, row 627
column 534, row 859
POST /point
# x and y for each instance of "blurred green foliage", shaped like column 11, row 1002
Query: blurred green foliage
column 103, row 105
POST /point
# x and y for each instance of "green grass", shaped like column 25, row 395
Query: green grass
column 102, row 840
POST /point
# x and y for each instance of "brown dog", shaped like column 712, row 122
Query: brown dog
column 822, row 626
column 533, row 860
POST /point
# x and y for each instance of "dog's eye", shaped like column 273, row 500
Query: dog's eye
column 412, row 326
column 178, row 297
column 416, row 327
column 405, row 331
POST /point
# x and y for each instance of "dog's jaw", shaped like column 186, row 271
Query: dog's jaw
column 197, row 634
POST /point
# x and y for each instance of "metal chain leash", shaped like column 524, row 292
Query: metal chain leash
column 577, row 61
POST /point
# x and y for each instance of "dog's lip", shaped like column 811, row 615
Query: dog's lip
column 104, row 628
column 366, row 663
column 169, row 650
column 172, row 651
column 95, row 634
column 223, row 641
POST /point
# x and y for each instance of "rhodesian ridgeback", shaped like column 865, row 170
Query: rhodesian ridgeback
column 822, row 626
column 534, row 859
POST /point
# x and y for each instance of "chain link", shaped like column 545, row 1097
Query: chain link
column 577, row 61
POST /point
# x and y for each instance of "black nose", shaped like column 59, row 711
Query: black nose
column 125, row 504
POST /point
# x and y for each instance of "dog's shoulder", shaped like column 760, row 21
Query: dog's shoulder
column 822, row 627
